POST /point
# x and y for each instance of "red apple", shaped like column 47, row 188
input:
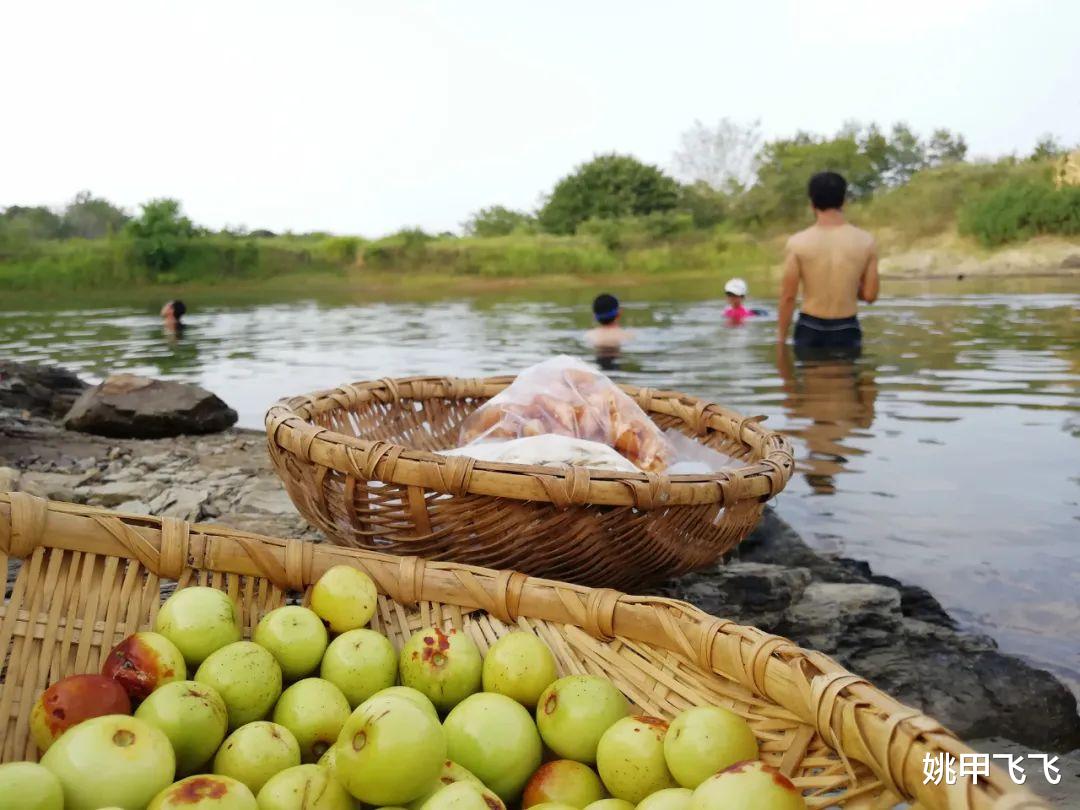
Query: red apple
column 71, row 700
column 144, row 661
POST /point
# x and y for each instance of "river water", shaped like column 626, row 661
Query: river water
column 947, row 456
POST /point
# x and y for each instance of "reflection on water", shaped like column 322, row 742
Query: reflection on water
column 946, row 455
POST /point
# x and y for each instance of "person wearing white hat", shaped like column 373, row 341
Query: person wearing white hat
column 736, row 291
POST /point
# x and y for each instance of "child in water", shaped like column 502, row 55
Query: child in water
column 607, row 333
column 736, row 311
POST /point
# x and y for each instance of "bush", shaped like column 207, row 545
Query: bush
column 396, row 249
column 498, row 220
column 160, row 236
column 607, row 187
column 340, row 249
column 628, row 232
column 1022, row 209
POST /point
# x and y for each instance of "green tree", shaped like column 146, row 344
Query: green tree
column 90, row 217
column 945, row 147
column 1047, row 148
column 22, row 222
column 497, row 220
column 161, row 235
column 706, row 205
column 607, row 187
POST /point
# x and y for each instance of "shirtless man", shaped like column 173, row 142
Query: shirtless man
column 837, row 266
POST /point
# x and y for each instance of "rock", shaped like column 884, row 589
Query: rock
column 743, row 591
column 134, row 508
column 270, row 502
column 114, row 493
column 129, row 406
column 55, row 486
column 180, row 502
column 842, row 618
column 47, row 391
column 9, row 479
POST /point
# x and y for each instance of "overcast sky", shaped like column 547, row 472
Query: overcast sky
column 361, row 117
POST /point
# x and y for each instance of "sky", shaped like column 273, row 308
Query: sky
column 364, row 117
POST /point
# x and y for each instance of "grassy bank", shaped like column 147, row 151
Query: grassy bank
column 959, row 212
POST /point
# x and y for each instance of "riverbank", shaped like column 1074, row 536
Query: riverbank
column 472, row 266
column 896, row 635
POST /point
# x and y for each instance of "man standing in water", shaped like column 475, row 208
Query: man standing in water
column 836, row 265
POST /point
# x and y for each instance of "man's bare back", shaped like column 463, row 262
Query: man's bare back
column 832, row 262
column 835, row 265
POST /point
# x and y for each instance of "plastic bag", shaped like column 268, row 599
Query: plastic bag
column 694, row 458
column 547, row 450
column 565, row 397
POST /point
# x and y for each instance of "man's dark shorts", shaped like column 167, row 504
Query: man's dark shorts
column 826, row 337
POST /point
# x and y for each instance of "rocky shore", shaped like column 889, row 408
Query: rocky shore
column 897, row 636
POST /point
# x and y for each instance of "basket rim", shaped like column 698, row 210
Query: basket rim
column 855, row 718
column 289, row 430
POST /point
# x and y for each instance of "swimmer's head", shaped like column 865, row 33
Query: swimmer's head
column 827, row 191
column 735, row 290
column 606, row 309
column 174, row 309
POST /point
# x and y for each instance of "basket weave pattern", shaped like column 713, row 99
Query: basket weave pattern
column 358, row 462
column 84, row 578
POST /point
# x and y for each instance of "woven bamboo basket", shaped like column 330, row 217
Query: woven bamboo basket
column 358, row 462
column 80, row 579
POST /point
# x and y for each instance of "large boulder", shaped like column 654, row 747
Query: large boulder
column 46, row 391
column 132, row 407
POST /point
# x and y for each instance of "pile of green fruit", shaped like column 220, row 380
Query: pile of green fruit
column 309, row 716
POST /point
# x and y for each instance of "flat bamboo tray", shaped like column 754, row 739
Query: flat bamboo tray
column 80, row 579
column 358, row 462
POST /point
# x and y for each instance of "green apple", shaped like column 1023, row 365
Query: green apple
column 451, row 773
column 418, row 699
column 749, row 785
column 667, row 799
column 360, row 663
column 314, row 710
column 553, row 806
column 705, row 740
column 610, row 804
column 193, row 717
column 304, row 787
column 246, row 676
column 574, row 712
column 205, row 792
column 113, row 759
column 295, row 636
column 458, row 796
column 520, row 666
column 71, row 700
column 388, row 752
column 344, row 598
column 29, row 786
column 565, row 781
column 494, row 738
column 255, row 752
column 144, row 661
column 444, row 666
column 327, row 759
column 198, row 620
column 630, row 758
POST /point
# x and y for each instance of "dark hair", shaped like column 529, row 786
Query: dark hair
column 605, row 308
column 827, row 190
column 178, row 308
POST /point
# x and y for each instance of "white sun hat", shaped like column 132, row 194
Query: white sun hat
column 736, row 286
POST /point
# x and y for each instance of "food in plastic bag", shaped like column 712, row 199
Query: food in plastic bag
column 547, row 450
column 565, row 397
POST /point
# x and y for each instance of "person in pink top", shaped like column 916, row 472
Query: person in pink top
column 736, row 311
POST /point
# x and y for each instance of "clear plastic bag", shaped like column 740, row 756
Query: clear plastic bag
column 565, row 397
